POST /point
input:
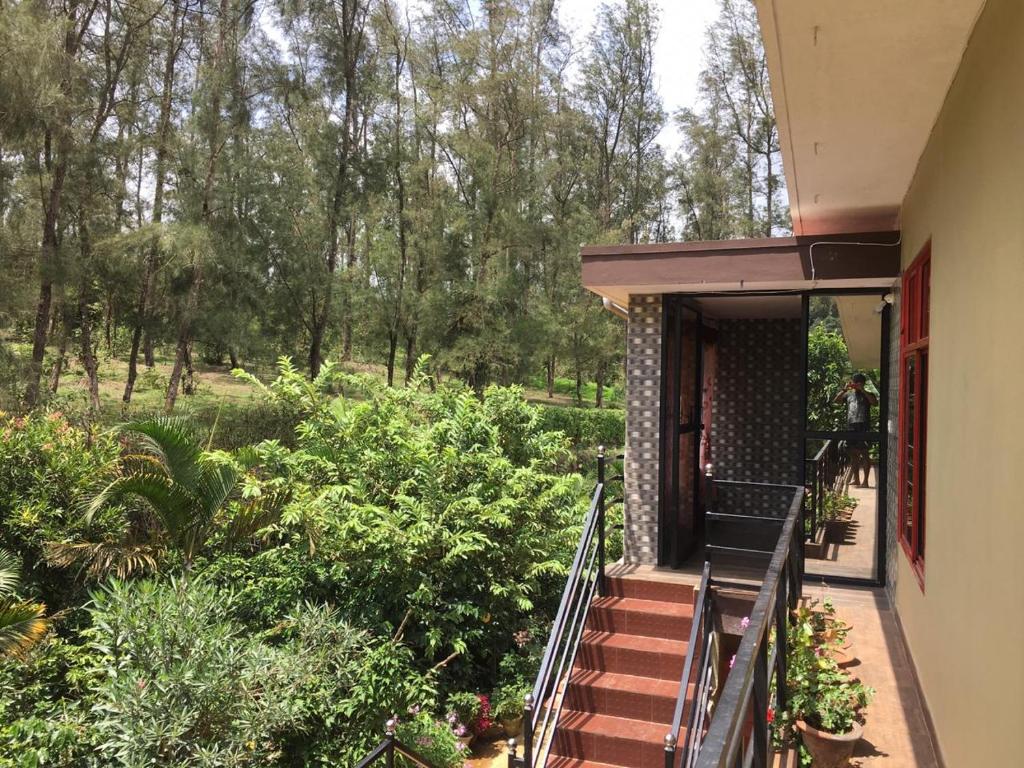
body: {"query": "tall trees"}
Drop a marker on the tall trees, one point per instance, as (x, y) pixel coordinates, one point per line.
(326, 178)
(728, 172)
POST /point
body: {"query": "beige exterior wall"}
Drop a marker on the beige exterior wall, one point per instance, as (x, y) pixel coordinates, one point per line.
(966, 629)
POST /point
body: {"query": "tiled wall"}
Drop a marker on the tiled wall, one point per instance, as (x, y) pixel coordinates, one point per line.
(756, 425)
(643, 414)
(892, 457)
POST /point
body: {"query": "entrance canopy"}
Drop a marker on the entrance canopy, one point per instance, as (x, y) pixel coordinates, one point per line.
(861, 260)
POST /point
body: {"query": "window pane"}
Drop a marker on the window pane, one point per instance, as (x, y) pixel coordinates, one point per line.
(922, 418)
(909, 402)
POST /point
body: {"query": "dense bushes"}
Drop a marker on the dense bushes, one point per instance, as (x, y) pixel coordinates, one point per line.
(587, 428)
(415, 547)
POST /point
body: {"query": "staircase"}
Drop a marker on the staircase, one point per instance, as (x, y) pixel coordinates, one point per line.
(622, 692)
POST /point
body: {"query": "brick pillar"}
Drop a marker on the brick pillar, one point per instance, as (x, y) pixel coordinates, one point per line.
(643, 415)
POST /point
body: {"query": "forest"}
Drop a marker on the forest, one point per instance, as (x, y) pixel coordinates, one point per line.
(300, 393)
(218, 184)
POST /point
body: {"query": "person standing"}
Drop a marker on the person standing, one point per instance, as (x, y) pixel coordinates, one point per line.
(858, 402)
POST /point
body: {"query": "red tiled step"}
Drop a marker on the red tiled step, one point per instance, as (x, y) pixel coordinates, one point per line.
(638, 698)
(613, 740)
(632, 655)
(642, 589)
(650, 618)
(560, 761)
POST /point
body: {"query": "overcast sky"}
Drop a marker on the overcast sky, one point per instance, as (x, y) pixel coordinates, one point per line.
(679, 54)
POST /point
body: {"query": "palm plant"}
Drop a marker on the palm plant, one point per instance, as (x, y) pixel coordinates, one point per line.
(182, 486)
(22, 624)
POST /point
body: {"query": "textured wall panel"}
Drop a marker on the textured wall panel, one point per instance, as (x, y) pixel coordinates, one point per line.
(643, 413)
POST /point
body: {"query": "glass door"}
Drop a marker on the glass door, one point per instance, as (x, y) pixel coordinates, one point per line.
(844, 457)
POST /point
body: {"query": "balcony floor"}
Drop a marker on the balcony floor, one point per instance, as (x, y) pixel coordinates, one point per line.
(896, 732)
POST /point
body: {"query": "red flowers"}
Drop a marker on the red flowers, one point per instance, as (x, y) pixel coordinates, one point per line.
(770, 716)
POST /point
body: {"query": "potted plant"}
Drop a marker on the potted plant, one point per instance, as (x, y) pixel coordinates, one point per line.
(508, 707)
(431, 738)
(825, 703)
(464, 709)
(516, 673)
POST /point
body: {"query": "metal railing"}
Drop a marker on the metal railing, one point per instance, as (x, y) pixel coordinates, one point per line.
(739, 733)
(388, 749)
(543, 706)
(821, 475)
(696, 668)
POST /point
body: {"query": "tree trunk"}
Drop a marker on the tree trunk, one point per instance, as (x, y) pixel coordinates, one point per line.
(410, 356)
(188, 386)
(392, 351)
(599, 395)
(143, 308)
(87, 352)
(550, 369)
(148, 352)
(184, 339)
(62, 348)
(233, 357)
(48, 266)
(579, 386)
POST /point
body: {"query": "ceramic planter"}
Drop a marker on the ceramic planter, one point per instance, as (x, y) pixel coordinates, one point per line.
(829, 750)
(513, 726)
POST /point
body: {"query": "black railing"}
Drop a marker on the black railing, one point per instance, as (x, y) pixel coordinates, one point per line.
(388, 749)
(744, 519)
(697, 671)
(543, 705)
(821, 476)
(739, 733)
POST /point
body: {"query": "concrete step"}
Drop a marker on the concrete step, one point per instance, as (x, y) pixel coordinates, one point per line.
(632, 655)
(649, 618)
(645, 589)
(628, 696)
(612, 740)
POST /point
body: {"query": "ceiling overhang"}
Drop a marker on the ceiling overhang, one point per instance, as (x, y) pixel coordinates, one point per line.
(862, 260)
(857, 87)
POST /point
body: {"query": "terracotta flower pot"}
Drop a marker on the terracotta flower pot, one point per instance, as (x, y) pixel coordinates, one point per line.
(513, 726)
(829, 750)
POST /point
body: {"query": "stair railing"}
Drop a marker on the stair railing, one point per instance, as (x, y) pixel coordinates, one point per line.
(697, 668)
(822, 473)
(390, 747)
(543, 705)
(740, 733)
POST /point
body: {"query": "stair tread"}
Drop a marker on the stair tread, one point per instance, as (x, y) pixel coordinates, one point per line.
(615, 727)
(632, 683)
(635, 642)
(637, 605)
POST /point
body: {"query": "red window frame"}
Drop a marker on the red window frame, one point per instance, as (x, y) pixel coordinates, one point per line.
(913, 409)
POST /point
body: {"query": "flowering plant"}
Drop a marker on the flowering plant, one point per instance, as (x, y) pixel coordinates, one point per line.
(431, 738)
(819, 691)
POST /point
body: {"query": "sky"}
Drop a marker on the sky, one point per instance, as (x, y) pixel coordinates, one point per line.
(678, 56)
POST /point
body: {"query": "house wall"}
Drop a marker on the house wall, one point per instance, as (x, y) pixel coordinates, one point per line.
(965, 627)
(756, 426)
(643, 414)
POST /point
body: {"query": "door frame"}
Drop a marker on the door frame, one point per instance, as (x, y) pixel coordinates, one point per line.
(668, 553)
(672, 551)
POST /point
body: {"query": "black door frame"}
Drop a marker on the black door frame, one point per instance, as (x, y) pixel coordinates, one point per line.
(671, 553)
(668, 549)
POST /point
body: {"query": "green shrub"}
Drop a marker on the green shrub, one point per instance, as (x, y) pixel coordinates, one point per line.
(180, 684)
(48, 469)
(45, 702)
(587, 428)
(430, 738)
(444, 512)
